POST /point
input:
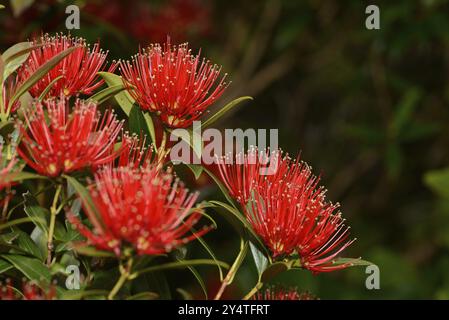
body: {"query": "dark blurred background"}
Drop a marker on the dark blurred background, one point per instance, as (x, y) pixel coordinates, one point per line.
(367, 108)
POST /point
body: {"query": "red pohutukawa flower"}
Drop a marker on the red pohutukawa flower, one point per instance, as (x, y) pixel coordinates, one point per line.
(77, 72)
(283, 294)
(143, 209)
(69, 140)
(30, 291)
(173, 83)
(290, 213)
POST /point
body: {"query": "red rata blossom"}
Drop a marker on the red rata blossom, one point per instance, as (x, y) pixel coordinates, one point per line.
(78, 71)
(173, 83)
(142, 208)
(68, 141)
(289, 211)
(30, 291)
(283, 294)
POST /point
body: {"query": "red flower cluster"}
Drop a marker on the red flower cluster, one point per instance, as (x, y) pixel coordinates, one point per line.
(77, 72)
(68, 141)
(30, 291)
(288, 210)
(173, 83)
(144, 208)
(283, 294)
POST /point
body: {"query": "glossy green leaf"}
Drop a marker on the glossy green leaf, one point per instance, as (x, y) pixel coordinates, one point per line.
(107, 93)
(19, 176)
(137, 122)
(123, 98)
(275, 269)
(39, 215)
(32, 268)
(223, 110)
(48, 88)
(260, 260)
(15, 56)
(92, 252)
(25, 242)
(5, 266)
(354, 262)
(197, 170)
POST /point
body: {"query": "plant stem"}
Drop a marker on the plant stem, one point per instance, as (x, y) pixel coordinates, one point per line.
(124, 276)
(234, 268)
(253, 291)
(51, 229)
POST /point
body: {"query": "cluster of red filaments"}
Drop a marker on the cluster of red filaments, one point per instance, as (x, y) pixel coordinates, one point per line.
(75, 74)
(288, 210)
(68, 140)
(282, 294)
(144, 209)
(172, 82)
(30, 291)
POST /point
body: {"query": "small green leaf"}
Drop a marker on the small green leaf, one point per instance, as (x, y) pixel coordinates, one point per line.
(438, 181)
(36, 212)
(197, 170)
(274, 269)
(32, 268)
(260, 260)
(15, 56)
(107, 93)
(92, 252)
(223, 110)
(4, 266)
(354, 262)
(19, 176)
(137, 122)
(25, 242)
(48, 88)
(123, 98)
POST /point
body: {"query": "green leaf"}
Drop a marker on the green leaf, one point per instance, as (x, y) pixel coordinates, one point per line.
(197, 169)
(19, 176)
(92, 252)
(137, 122)
(25, 242)
(48, 88)
(354, 262)
(107, 93)
(39, 73)
(32, 268)
(84, 194)
(181, 264)
(15, 222)
(37, 213)
(438, 181)
(191, 137)
(238, 262)
(260, 260)
(15, 56)
(150, 126)
(123, 98)
(274, 269)
(223, 110)
(4, 266)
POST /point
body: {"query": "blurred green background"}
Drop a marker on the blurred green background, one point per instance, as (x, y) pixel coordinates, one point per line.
(367, 108)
